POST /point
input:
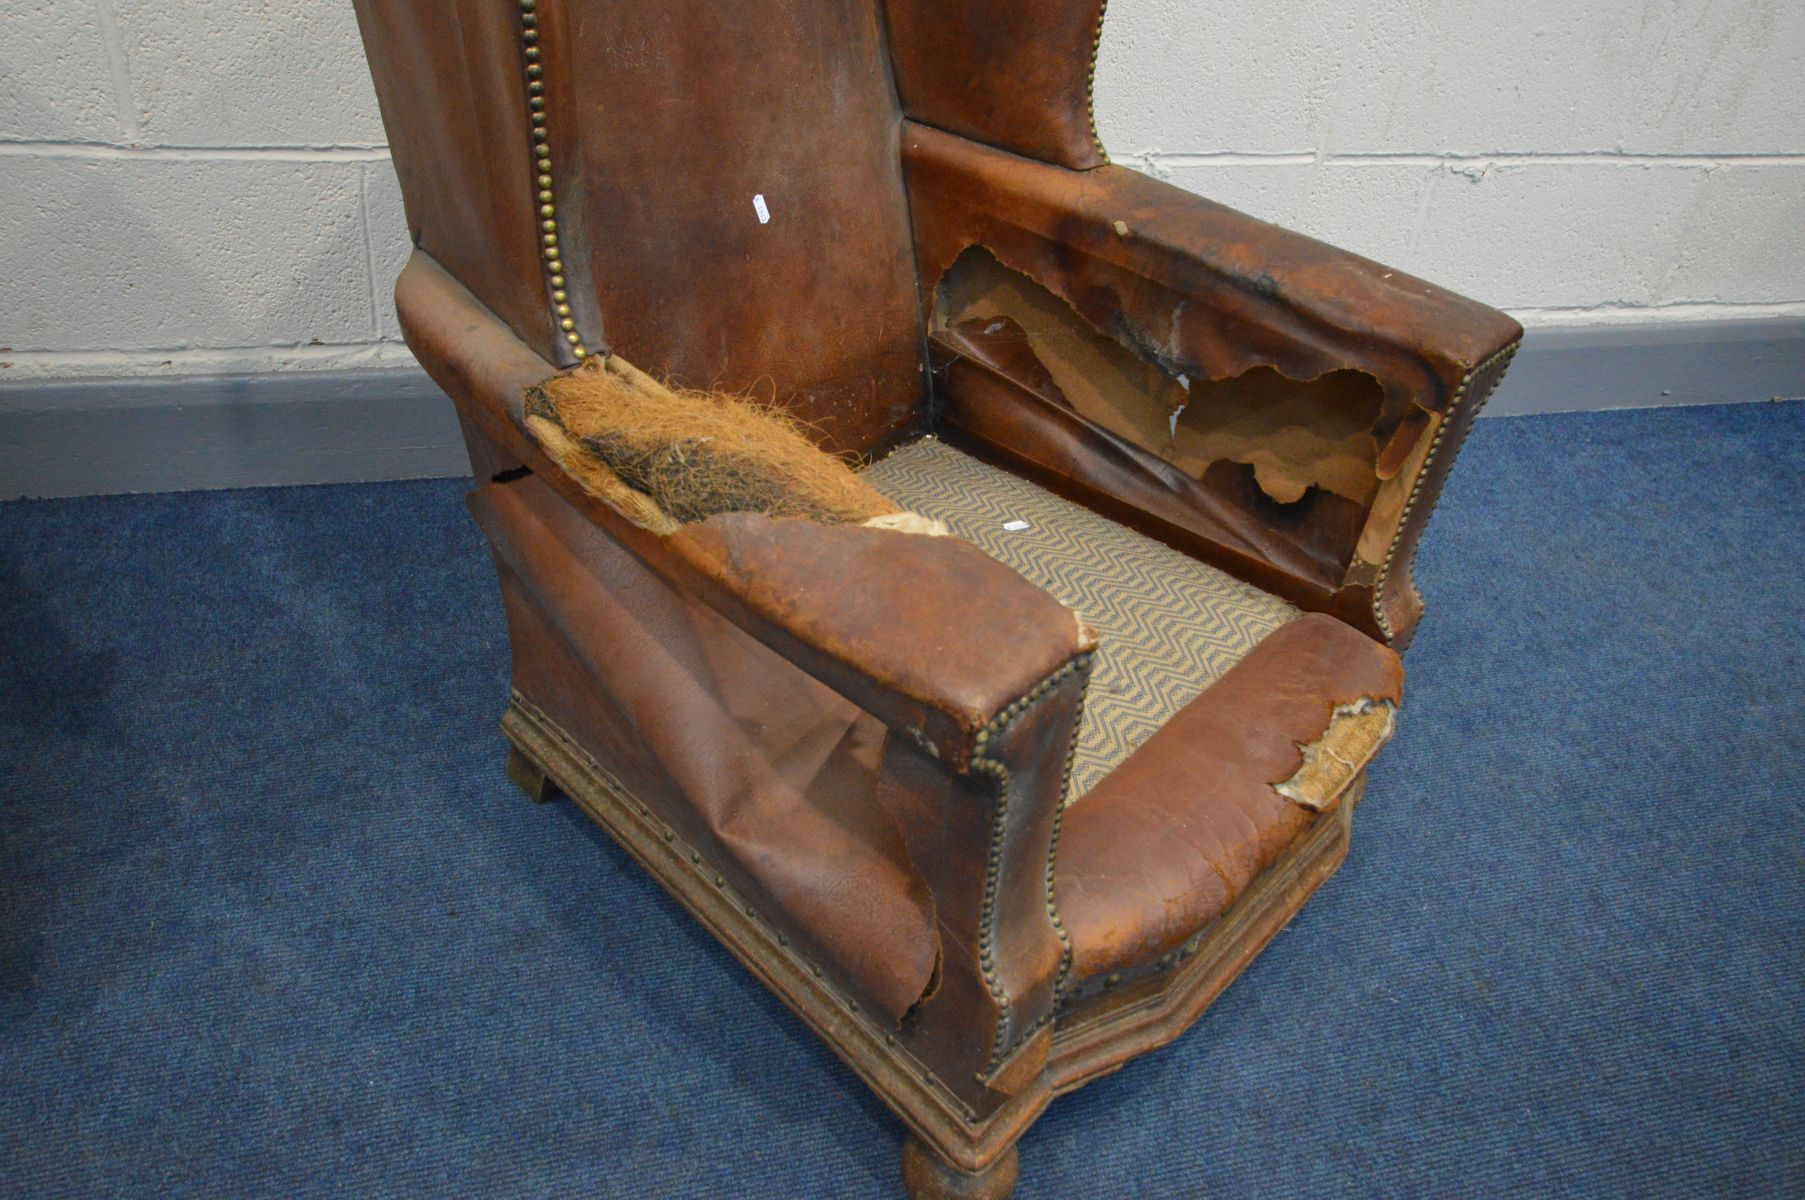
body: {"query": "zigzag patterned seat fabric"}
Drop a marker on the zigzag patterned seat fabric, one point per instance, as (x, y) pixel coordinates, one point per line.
(1170, 625)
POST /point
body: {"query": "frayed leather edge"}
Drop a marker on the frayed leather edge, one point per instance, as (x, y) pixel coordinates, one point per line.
(1355, 734)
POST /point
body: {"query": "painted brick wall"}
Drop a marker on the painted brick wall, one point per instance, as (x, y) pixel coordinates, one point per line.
(192, 186)
(1605, 160)
(196, 186)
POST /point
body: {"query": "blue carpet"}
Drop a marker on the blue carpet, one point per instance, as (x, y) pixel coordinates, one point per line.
(273, 922)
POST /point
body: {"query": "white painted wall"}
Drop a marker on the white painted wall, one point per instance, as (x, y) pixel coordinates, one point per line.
(1572, 161)
(193, 186)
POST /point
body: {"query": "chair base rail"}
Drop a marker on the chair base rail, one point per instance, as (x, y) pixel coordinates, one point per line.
(1098, 1038)
(950, 1153)
(933, 1113)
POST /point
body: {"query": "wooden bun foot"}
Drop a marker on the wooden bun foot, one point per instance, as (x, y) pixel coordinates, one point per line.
(529, 777)
(926, 1177)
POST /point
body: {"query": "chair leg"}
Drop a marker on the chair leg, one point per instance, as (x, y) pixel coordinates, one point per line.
(927, 1177)
(530, 777)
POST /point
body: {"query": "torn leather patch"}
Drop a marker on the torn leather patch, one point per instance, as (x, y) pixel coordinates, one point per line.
(1355, 735)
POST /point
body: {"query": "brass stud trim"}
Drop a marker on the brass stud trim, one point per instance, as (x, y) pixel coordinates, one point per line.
(539, 138)
(1065, 790)
(1002, 1045)
(1090, 82)
(1500, 360)
(999, 773)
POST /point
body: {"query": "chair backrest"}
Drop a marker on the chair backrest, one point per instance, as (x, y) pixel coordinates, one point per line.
(726, 204)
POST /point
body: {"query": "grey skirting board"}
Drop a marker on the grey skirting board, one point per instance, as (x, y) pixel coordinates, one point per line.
(94, 436)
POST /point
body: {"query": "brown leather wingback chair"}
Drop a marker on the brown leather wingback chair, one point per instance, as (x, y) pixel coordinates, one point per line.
(987, 849)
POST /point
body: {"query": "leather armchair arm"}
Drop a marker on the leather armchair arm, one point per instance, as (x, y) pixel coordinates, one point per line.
(930, 635)
(1208, 293)
(980, 670)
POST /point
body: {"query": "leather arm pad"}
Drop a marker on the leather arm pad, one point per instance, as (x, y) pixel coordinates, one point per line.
(929, 634)
(1202, 289)
(1207, 293)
